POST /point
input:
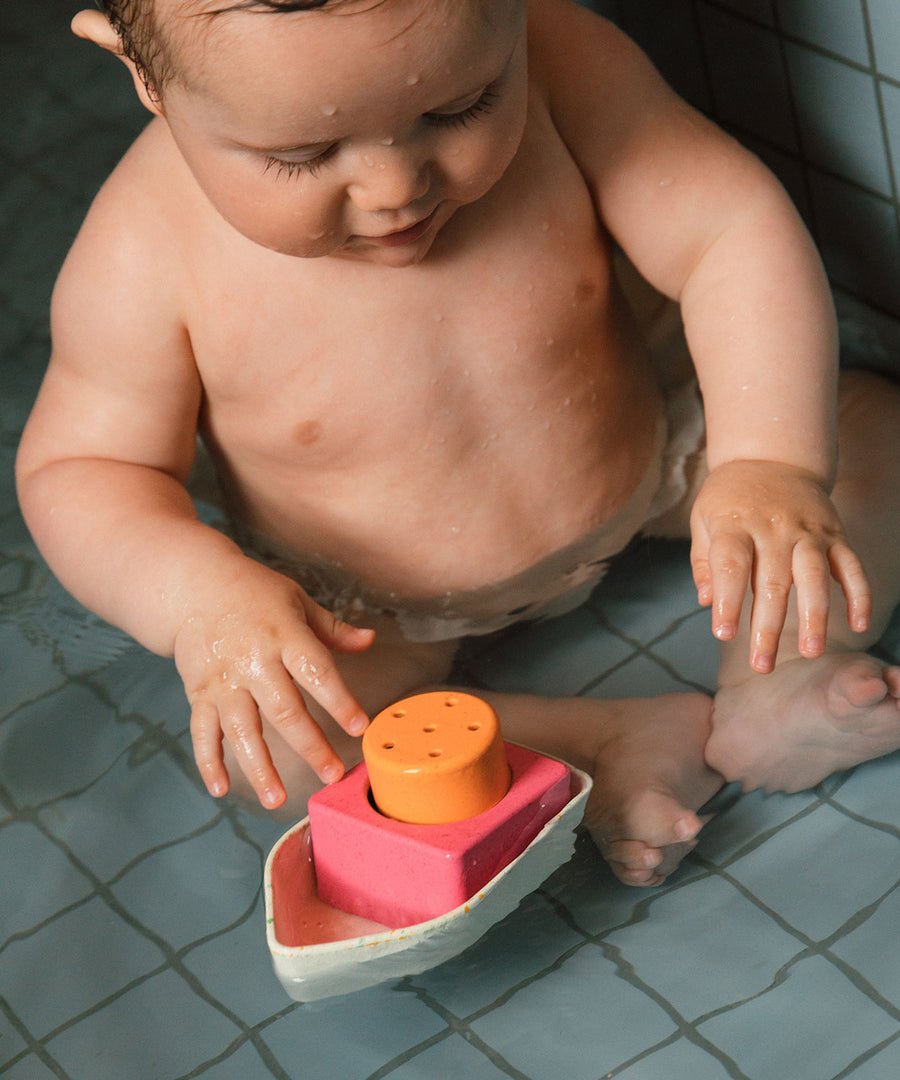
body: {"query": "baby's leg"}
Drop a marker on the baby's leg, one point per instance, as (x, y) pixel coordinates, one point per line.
(788, 730)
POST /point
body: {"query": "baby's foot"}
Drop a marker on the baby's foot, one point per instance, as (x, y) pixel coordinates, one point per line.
(790, 729)
(650, 777)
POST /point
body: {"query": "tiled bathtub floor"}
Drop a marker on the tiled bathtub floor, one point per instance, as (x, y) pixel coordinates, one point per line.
(131, 931)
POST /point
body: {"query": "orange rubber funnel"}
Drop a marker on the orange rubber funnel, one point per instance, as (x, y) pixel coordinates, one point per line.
(436, 758)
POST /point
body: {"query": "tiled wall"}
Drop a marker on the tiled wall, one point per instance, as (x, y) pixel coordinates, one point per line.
(813, 86)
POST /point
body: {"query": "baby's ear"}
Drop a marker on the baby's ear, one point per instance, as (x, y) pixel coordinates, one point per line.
(94, 26)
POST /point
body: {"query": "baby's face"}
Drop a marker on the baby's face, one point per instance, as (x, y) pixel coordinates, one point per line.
(354, 131)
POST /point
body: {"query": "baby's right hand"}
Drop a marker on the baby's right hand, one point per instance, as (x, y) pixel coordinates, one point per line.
(246, 650)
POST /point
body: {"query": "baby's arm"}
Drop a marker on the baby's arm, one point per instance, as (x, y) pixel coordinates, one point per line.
(708, 225)
(101, 472)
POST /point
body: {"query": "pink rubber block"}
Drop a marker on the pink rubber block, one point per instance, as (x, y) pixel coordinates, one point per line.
(399, 874)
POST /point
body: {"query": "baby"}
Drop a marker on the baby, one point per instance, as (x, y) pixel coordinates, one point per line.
(365, 248)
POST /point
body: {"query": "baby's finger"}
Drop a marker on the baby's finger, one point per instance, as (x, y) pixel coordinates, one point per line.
(206, 737)
(849, 573)
(336, 634)
(772, 580)
(242, 727)
(283, 706)
(312, 667)
(812, 580)
(731, 562)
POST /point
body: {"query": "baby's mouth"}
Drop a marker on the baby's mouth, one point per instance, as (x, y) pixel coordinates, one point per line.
(405, 236)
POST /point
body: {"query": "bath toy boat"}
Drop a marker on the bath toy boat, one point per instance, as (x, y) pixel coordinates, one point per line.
(319, 951)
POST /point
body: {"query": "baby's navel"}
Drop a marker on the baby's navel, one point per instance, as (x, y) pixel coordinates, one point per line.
(308, 432)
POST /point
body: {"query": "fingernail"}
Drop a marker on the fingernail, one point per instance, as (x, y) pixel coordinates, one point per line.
(358, 725)
(331, 773)
(218, 789)
(814, 645)
(724, 632)
(272, 798)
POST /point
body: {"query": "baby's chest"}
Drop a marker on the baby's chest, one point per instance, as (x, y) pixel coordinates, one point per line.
(368, 362)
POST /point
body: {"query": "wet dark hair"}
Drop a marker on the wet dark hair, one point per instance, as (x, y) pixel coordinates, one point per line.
(146, 45)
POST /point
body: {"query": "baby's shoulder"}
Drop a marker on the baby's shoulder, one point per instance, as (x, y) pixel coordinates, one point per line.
(130, 234)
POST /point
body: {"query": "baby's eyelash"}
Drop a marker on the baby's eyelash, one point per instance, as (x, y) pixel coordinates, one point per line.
(280, 166)
(460, 119)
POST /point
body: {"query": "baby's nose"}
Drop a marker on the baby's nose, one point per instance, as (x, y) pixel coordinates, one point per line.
(388, 179)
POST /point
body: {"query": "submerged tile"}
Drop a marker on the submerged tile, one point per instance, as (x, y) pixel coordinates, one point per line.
(494, 965)
(589, 1020)
(706, 926)
(790, 1030)
(193, 888)
(351, 1036)
(160, 1029)
(452, 1057)
(37, 880)
(818, 872)
(106, 952)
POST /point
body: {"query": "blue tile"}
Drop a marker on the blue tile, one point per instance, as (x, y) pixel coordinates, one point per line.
(706, 926)
(132, 808)
(149, 687)
(641, 677)
(790, 1031)
(236, 969)
(350, 1037)
(750, 87)
(749, 821)
(30, 1068)
(839, 119)
(590, 894)
(761, 10)
(882, 1066)
(865, 948)
(886, 36)
(817, 873)
(59, 743)
(554, 657)
(244, 1063)
(667, 31)
(160, 1029)
(106, 952)
(681, 1060)
(691, 651)
(11, 1042)
(857, 234)
(452, 1057)
(871, 791)
(37, 880)
(579, 1022)
(836, 25)
(193, 888)
(494, 965)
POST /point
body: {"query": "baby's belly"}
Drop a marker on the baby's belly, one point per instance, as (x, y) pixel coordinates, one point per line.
(457, 510)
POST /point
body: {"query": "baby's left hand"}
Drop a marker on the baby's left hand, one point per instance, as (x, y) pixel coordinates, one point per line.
(771, 526)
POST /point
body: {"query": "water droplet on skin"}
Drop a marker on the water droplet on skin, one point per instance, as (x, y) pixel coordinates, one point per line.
(567, 401)
(389, 141)
(454, 529)
(437, 316)
(329, 110)
(550, 341)
(412, 80)
(367, 158)
(545, 226)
